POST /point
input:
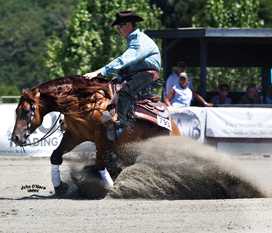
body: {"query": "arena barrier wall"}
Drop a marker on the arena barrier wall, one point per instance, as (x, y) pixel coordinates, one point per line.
(190, 121)
(43, 148)
(232, 130)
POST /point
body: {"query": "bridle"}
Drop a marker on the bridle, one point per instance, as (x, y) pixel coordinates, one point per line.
(53, 128)
(29, 123)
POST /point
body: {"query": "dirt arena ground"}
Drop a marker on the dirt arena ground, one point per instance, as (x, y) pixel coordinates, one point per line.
(21, 211)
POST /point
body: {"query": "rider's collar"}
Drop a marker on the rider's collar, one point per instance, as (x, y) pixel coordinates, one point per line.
(134, 33)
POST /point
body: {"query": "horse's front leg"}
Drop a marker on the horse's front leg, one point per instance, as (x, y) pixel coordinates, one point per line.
(67, 143)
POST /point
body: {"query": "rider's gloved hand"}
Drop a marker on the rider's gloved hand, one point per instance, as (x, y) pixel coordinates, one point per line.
(94, 74)
(90, 75)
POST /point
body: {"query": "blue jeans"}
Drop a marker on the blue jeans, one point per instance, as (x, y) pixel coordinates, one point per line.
(129, 91)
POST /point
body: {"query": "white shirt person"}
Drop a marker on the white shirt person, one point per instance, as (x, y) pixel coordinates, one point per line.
(180, 95)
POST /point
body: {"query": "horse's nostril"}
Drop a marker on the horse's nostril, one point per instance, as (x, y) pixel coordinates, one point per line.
(15, 138)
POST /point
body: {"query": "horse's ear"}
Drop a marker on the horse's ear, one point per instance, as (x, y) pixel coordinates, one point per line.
(36, 93)
(25, 91)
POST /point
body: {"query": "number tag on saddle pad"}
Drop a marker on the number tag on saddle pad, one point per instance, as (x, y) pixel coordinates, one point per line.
(163, 122)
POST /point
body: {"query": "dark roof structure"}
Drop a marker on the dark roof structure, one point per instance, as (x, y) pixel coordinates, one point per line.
(215, 47)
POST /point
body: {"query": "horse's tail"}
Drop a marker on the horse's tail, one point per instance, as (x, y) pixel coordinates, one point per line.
(175, 130)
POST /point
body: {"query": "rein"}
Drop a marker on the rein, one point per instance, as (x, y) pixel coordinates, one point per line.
(48, 134)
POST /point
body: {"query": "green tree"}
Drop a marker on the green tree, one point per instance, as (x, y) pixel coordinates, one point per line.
(24, 28)
(179, 13)
(265, 12)
(231, 13)
(186, 13)
(90, 41)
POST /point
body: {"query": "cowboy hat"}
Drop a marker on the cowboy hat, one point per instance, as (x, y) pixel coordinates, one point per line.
(126, 16)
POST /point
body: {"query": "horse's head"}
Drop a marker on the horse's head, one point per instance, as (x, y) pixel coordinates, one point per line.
(28, 116)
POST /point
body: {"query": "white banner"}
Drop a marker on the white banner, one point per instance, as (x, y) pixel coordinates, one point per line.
(190, 121)
(43, 148)
(239, 123)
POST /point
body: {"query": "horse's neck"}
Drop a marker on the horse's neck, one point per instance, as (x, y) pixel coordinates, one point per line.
(65, 103)
(52, 102)
(49, 106)
(67, 97)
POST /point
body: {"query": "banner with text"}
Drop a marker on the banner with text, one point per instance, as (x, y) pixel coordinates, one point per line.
(43, 148)
(239, 123)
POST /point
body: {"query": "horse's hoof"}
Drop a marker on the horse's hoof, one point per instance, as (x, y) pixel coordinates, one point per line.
(61, 189)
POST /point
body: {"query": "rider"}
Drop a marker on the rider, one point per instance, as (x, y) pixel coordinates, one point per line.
(139, 65)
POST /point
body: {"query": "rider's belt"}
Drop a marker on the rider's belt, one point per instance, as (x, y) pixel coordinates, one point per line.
(155, 74)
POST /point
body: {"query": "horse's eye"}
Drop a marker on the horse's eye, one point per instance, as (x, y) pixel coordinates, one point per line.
(23, 114)
(25, 111)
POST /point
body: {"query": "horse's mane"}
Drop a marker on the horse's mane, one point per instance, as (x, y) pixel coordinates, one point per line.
(72, 91)
(74, 85)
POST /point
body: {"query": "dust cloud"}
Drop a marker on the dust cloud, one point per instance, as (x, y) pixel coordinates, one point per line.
(170, 168)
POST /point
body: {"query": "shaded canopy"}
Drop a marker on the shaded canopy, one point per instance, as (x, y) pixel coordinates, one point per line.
(216, 47)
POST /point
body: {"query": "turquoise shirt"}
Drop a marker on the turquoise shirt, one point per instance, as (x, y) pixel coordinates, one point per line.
(142, 54)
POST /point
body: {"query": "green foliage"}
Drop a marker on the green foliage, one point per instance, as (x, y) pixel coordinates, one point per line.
(9, 90)
(90, 41)
(265, 13)
(24, 27)
(237, 78)
(188, 13)
(231, 13)
(19, 38)
(179, 13)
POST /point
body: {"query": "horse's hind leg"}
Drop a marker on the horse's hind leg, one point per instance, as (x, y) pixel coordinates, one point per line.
(102, 149)
(67, 144)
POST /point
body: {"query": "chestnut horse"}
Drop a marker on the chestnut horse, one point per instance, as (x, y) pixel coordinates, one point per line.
(82, 102)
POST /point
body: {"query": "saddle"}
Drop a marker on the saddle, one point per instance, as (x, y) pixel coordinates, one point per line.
(153, 110)
(150, 109)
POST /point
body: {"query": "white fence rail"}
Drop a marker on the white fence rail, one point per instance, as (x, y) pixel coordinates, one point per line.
(9, 99)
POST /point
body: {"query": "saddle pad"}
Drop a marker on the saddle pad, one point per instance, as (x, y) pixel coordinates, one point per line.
(159, 117)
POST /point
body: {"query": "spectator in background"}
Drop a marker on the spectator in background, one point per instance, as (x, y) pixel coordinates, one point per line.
(180, 95)
(251, 96)
(173, 78)
(222, 95)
